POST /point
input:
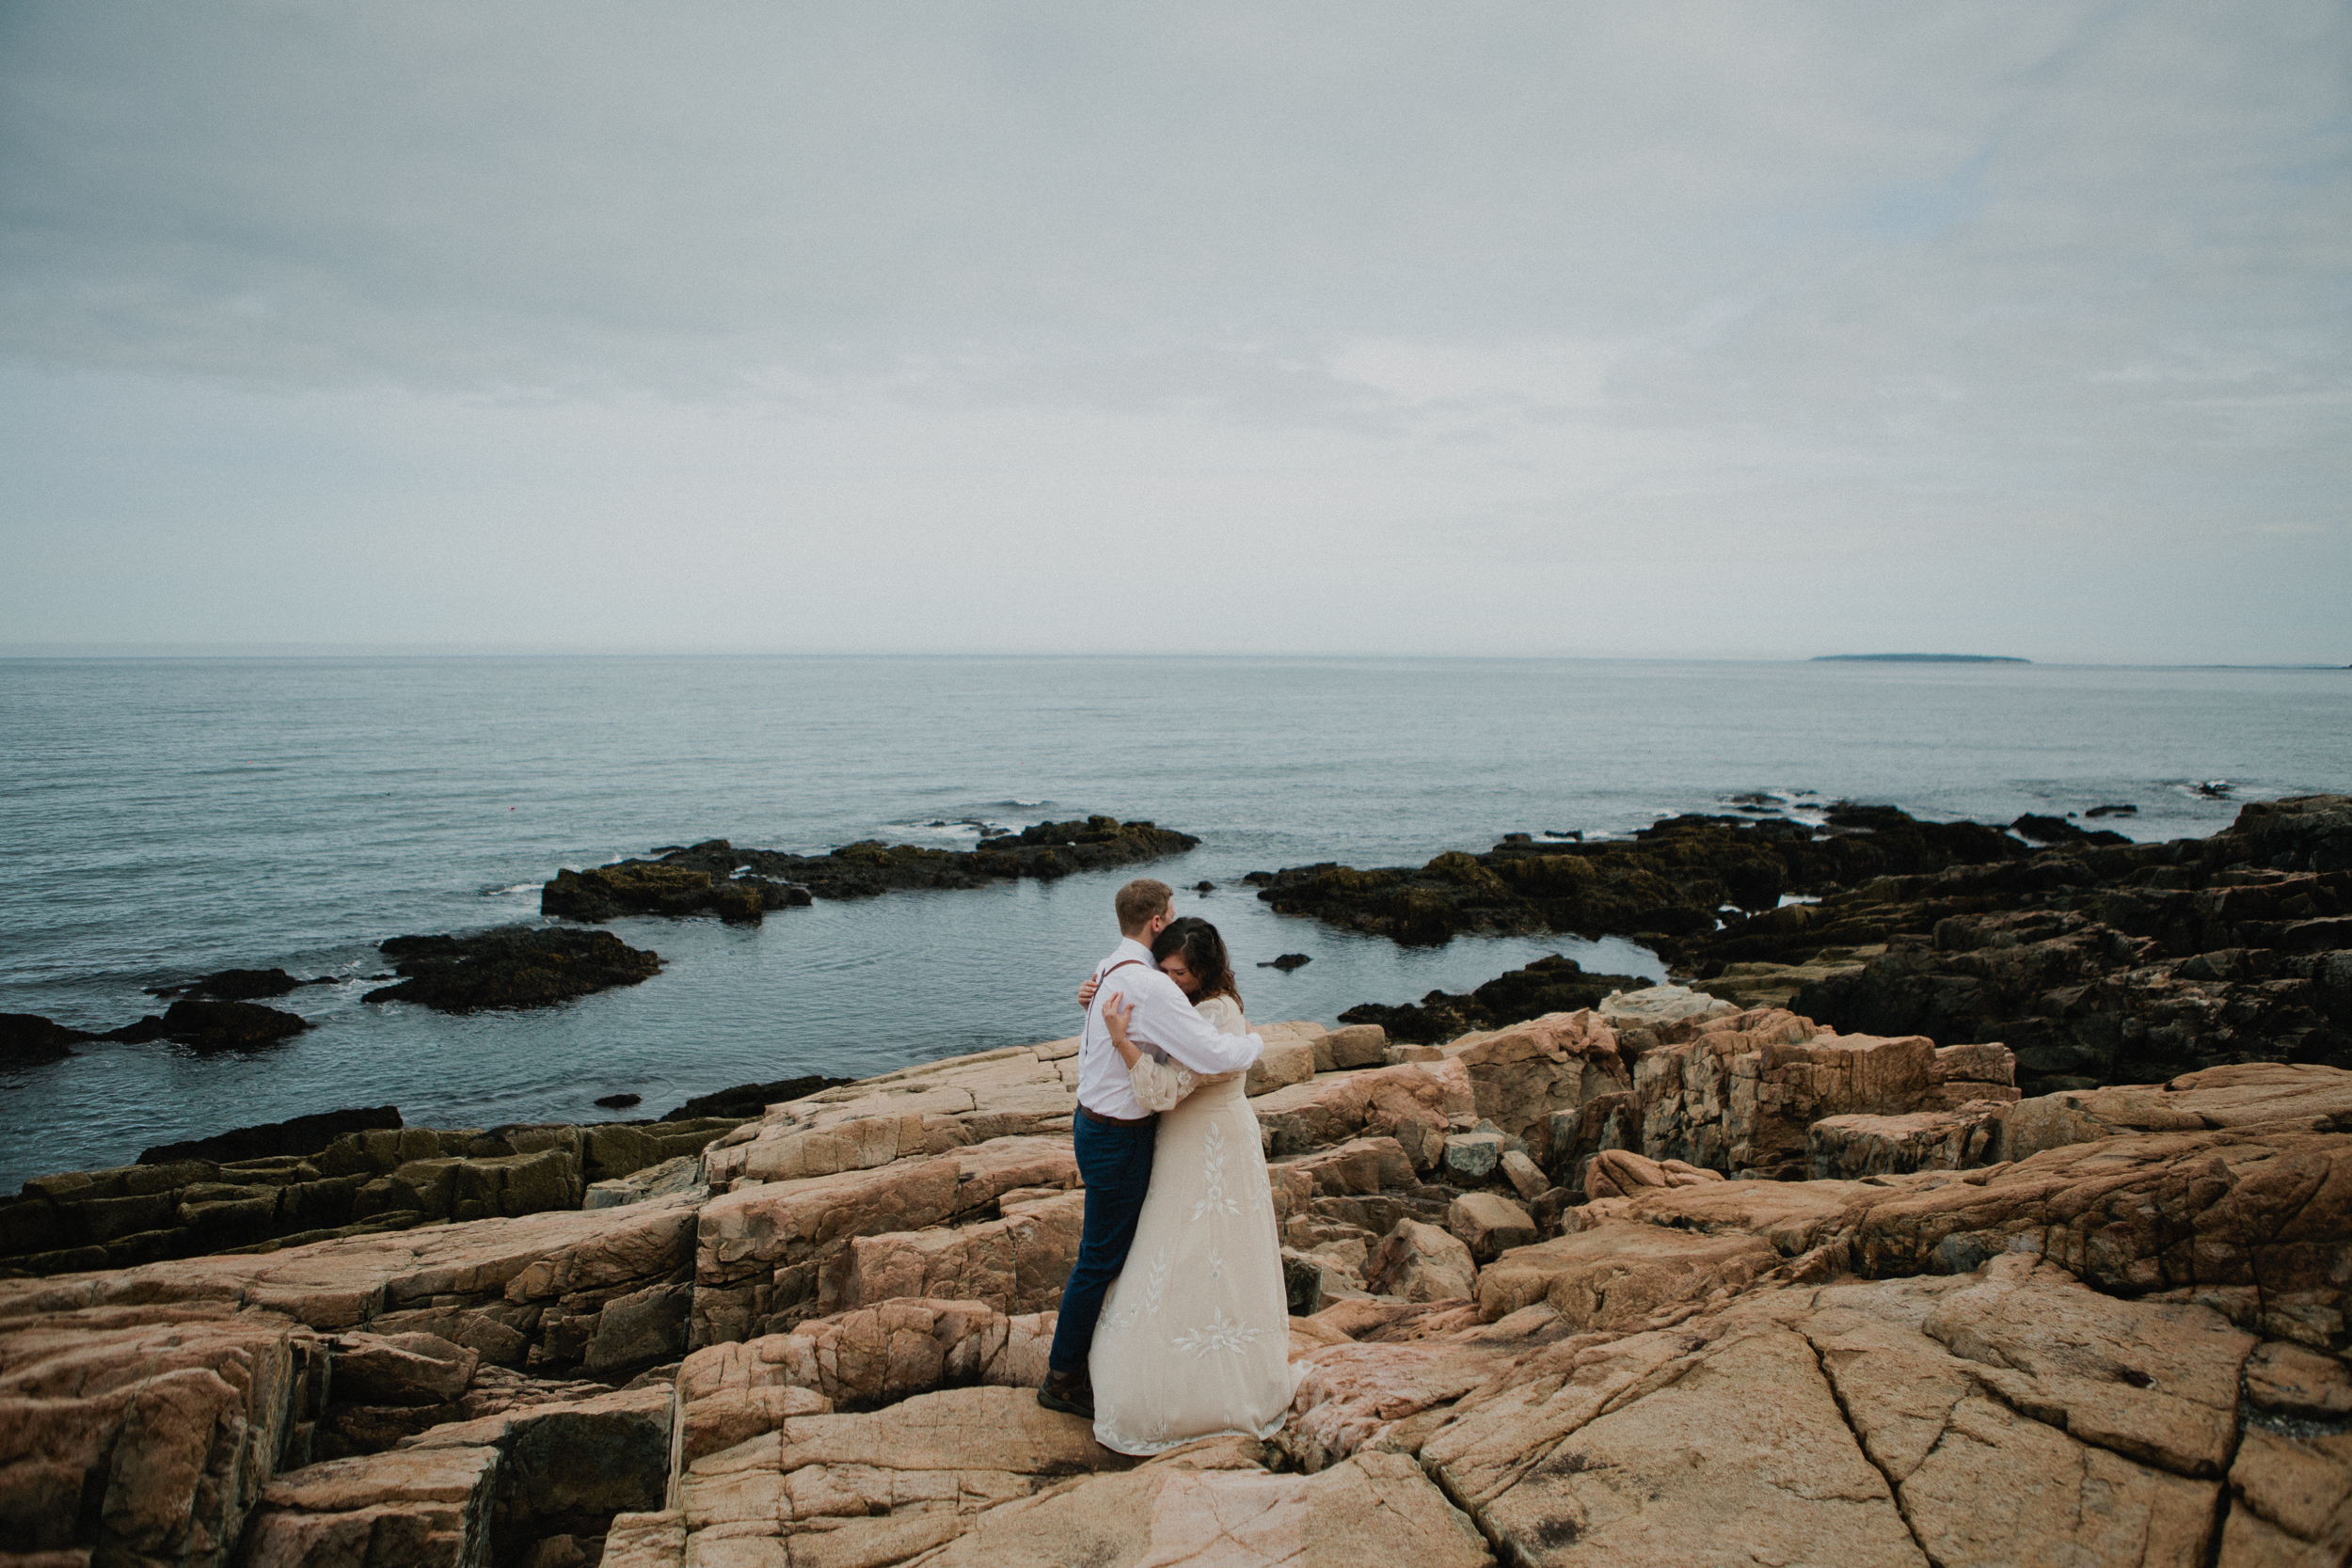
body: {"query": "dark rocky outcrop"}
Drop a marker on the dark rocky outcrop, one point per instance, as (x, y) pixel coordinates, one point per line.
(241, 985)
(223, 1025)
(2095, 963)
(717, 878)
(747, 1101)
(651, 887)
(1287, 962)
(294, 1136)
(27, 1040)
(1550, 985)
(514, 966)
(1667, 883)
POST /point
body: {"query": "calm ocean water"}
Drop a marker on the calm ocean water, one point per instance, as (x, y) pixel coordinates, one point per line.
(163, 818)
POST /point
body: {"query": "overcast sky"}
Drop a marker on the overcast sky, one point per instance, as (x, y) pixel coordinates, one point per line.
(1742, 329)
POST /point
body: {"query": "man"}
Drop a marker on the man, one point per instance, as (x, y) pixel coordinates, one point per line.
(1114, 1134)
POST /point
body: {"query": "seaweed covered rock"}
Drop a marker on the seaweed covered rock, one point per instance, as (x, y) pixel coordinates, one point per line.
(1667, 882)
(642, 887)
(514, 966)
(715, 877)
(1550, 985)
(297, 1135)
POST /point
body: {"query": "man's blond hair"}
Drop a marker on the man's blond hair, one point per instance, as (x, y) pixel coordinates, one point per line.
(1138, 901)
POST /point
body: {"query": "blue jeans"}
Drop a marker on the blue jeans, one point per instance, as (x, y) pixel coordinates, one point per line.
(1115, 1163)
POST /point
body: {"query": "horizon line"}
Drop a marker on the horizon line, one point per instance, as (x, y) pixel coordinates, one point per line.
(60, 651)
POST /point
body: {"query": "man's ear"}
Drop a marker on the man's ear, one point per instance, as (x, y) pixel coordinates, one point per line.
(1159, 921)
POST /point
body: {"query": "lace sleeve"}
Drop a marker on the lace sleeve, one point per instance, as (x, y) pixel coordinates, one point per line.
(1160, 1085)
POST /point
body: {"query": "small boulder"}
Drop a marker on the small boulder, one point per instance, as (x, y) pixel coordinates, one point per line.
(401, 1369)
(1288, 961)
(1285, 1061)
(1472, 1156)
(1622, 1173)
(1525, 1177)
(1489, 1223)
(1422, 1262)
(1358, 1045)
(2287, 1380)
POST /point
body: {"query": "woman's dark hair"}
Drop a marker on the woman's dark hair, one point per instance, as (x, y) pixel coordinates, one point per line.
(1204, 954)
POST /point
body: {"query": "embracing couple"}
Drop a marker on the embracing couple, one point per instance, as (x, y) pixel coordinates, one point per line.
(1175, 1323)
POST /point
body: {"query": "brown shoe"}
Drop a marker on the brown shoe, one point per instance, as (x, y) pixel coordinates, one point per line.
(1072, 1393)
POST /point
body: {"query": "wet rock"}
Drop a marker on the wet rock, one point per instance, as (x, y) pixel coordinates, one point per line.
(241, 985)
(227, 1025)
(1550, 985)
(1288, 961)
(747, 1101)
(619, 1101)
(27, 1040)
(2113, 811)
(515, 966)
(641, 887)
(2056, 830)
(297, 1135)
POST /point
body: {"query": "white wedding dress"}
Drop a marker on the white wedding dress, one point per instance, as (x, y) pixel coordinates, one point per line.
(1194, 1339)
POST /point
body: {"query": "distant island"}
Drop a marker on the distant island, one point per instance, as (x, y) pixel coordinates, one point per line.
(1917, 658)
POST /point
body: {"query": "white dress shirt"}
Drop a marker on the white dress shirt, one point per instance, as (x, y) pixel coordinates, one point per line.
(1163, 1018)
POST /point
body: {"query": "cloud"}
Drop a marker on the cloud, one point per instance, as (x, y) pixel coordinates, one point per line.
(1855, 290)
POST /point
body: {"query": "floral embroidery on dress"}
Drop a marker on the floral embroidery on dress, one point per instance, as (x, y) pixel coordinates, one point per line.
(1213, 1200)
(1155, 1283)
(1224, 1334)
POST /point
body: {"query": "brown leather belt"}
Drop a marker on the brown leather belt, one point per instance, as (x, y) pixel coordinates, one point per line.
(1117, 1121)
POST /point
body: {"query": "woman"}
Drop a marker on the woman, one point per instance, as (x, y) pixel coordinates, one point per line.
(1195, 1335)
